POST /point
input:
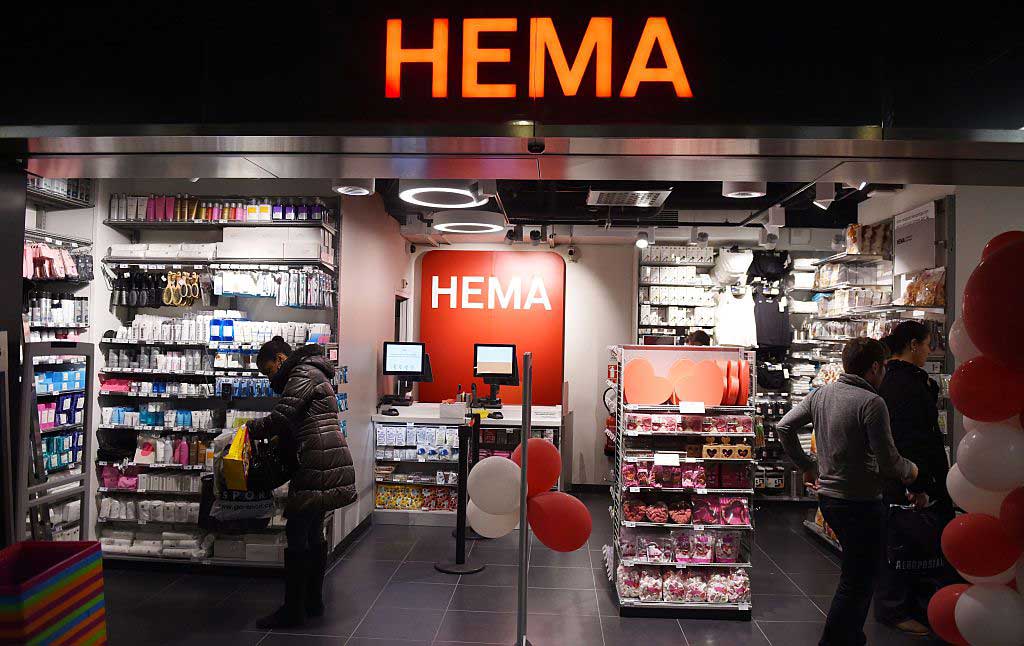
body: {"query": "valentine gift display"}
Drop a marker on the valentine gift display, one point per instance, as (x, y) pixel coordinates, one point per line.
(985, 544)
(681, 514)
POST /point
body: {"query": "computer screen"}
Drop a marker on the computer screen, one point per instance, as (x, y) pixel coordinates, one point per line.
(493, 359)
(403, 358)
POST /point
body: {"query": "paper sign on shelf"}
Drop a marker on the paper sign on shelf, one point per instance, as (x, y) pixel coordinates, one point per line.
(666, 459)
(691, 408)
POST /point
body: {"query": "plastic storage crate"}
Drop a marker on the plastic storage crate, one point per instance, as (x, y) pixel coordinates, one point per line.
(52, 593)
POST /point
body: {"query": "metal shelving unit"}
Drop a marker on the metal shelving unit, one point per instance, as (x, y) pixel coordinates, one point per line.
(624, 454)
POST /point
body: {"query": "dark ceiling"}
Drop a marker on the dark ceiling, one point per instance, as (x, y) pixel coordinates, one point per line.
(565, 202)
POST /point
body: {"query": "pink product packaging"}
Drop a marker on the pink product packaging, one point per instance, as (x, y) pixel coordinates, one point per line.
(739, 586)
(735, 476)
(664, 423)
(727, 547)
(627, 579)
(643, 423)
(706, 510)
(669, 477)
(694, 476)
(627, 545)
(690, 424)
(632, 422)
(643, 475)
(702, 547)
(713, 473)
(109, 476)
(657, 548)
(650, 584)
(734, 511)
(673, 585)
(718, 588)
(657, 512)
(695, 589)
(629, 475)
(679, 512)
(681, 545)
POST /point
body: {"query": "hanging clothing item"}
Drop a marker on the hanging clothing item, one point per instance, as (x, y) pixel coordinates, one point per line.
(736, 324)
(769, 265)
(731, 266)
(772, 318)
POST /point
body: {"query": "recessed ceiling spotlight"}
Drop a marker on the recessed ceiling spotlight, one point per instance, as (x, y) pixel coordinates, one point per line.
(744, 190)
(441, 194)
(355, 187)
(462, 221)
(193, 179)
(824, 194)
(643, 239)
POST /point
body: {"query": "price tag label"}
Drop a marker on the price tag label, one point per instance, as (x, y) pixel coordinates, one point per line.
(142, 522)
(141, 490)
(629, 523)
(699, 528)
(744, 606)
(666, 459)
(691, 408)
(700, 491)
(632, 433)
(175, 266)
(634, 489)
(680, 566)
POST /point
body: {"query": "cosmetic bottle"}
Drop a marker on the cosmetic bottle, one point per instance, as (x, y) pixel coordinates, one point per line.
(252, 211)
(289, 211)
(265, 210)
(277, 214)
(193, 208)
(302, 210)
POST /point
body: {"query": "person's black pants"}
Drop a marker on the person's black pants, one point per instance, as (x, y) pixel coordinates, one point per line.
(858, 525)
(304, 531)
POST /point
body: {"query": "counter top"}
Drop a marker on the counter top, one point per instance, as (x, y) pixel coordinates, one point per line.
(429, 413)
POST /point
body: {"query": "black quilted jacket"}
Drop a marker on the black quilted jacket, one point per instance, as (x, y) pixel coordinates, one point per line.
(306, 418)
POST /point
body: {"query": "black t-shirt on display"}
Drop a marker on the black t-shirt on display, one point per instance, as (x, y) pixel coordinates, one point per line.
(773, 328)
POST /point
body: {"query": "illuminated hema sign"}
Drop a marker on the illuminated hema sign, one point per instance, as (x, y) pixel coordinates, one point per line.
(595, 46)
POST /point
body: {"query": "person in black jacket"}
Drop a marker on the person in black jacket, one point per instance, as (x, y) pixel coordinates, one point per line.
(305, 420)
(912, 399)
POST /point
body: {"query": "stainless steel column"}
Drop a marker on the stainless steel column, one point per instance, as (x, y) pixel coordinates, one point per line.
(524, 527)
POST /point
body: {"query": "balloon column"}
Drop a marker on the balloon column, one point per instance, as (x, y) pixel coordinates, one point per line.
(986, 544)
(559, 520)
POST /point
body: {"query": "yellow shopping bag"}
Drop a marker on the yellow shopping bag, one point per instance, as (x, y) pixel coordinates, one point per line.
(236, 462)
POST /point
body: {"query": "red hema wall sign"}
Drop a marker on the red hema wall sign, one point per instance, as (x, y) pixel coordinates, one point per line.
(469, 297)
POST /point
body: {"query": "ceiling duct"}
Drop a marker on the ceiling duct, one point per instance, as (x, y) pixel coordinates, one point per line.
(641, 199)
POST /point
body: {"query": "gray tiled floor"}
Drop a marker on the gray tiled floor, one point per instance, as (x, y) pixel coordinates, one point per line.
(386, 592)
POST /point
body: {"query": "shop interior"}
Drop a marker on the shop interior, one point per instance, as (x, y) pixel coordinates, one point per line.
(146, 300)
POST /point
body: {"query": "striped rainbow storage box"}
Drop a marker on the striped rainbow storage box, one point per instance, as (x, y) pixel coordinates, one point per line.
(51, 593)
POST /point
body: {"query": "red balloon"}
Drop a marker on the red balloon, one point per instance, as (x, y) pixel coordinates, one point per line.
(1011, 514)
(545, 465)
(941, 616)
(994, 305)
(560, 521)
(987, 391)
(979, 545)
(1002, 240)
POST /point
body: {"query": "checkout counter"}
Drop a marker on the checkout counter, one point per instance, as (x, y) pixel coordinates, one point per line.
(415, 467)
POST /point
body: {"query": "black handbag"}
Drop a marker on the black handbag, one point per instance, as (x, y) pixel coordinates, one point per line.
(273, 463)
(913, 538)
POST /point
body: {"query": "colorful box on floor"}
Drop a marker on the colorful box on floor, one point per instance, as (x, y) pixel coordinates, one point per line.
(52, 593)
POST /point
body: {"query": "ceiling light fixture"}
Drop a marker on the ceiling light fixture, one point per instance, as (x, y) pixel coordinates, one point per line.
(193, 179)
(643, 240)
(472, 222)
(355, 187)
(824, 194)
(442, 194)
(744, 190)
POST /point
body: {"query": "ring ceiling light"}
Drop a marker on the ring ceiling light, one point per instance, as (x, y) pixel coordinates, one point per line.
(355, 187)
(442, 194)
(461, 221)
(744, 190)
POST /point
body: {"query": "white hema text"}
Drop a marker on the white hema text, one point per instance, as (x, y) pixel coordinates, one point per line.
(471, 295)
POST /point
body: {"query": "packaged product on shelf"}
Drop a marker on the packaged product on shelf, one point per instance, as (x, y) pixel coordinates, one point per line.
(655, 547)
(718, 588)
(681, 548)
(627, 580)
(668, 477)
(657, 512)
(627, 544)
(673, 585)
(694, 476)
(734, 511)
(706, 510)
(713, 472)
(650, 584)
(734, 476)
(634, 510)
(739, 586)
(702, 546)
(679, 512)
(727, 547)
(690, 424)
(696, 587)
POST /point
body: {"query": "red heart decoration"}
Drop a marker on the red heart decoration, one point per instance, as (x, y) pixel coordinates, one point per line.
(680, 370)
(732, 395)
(727, 452)
(743, 452)
(744, 383)
(704, 384)
(641, 386)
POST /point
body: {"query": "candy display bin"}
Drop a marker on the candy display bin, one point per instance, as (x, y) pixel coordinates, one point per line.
(52, 593)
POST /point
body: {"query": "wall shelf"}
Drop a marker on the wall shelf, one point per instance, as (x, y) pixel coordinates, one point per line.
(54, 201)
(207, 225)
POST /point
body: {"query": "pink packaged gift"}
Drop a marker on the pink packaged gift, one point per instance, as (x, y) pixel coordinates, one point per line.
(690, 424)
(696, 588)
(727, 547)
(656, 548)
(627, 545)
(739, 586)
(735, 511)
(680, 545)
(658, 423)
(673, 585)
(109, 476)
(668, 477)
(694, 476)
(644, 423)
(718, 588)
(735, 476)
(650, 584)
(702, 547)
(632, 422)
(705, 510)
(643, 474)
(627, 579)
(629, 478)
(669, 423)
(679, 512)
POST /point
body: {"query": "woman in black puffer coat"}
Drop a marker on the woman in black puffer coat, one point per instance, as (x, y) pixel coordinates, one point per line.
(305, 421)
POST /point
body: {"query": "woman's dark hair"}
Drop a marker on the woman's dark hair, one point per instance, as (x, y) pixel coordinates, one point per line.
(905, 333)
(862, 353)
(698, 337)
(270, 350)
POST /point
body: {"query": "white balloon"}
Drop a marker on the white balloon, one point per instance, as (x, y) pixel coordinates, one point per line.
(992, 457)
(960, 342)
(494, 485)
(490, 525)
(990, 615)
(972, 498)
(975, 425)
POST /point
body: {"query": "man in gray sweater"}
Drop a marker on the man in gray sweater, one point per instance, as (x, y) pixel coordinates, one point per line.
(855, 455)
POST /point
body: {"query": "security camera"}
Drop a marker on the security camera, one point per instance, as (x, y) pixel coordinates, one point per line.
(574, 253)
(535, 236)
(535, 146)
(412, 248)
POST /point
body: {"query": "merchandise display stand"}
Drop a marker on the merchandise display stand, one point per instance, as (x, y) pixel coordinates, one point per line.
(715, 518)
(187, 372)
(674, 298)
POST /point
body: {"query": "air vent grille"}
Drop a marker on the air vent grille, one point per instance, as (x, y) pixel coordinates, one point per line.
(642, 199)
